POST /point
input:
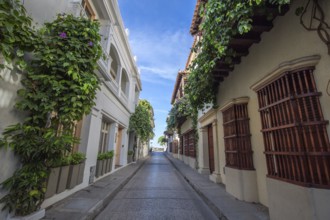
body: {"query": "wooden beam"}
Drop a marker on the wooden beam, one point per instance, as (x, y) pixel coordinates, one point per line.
(241, 41)
(220, 73)
(234, 60)
(223, 68)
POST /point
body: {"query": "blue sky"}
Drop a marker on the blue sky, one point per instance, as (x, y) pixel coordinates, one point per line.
(159, 37)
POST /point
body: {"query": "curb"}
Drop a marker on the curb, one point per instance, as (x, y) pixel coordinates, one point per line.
(94, 211)
(208, 202)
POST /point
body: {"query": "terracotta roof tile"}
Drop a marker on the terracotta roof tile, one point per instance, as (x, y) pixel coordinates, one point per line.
(196, 18)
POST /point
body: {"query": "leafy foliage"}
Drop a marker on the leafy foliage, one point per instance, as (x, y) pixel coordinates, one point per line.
(179, 111)
(105, 155)
(27, 189)
(59, 88)
(162, 140)
(16, 33)
(77, 158)
(141, 121)
(221, 20)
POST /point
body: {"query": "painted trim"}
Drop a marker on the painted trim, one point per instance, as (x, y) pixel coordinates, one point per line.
(286, 66)
(208, 115)
(228, 104)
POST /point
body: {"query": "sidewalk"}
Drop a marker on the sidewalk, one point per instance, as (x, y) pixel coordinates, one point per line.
(223, 204)
(88, 202)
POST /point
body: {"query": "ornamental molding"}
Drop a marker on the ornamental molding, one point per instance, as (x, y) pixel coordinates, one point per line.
(235, 101)
(209, 117)
(299, 63)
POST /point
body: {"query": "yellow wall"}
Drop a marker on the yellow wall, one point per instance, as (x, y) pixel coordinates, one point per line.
(288, 40)
(186, 126)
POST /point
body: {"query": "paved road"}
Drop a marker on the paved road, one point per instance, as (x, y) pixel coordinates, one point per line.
(157, 191)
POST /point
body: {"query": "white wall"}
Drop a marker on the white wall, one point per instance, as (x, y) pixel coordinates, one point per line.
(109, 103)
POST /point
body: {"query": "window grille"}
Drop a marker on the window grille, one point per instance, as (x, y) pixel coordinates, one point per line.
(294, 130)
(88, 9)
(76, 133)
(181, 145)
(192, 149)
(237, 137)
(104, 137)
(188, 143)
(175, 146)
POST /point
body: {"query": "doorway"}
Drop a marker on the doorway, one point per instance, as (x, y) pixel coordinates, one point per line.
(118, 147)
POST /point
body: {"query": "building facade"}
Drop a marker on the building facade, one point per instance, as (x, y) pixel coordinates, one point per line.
(267, 139)
(106, 127)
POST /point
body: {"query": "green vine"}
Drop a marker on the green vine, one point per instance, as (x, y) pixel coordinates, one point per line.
(59, 87)
(141, 121)
(16, 33)
(221, 20)
(179, 111)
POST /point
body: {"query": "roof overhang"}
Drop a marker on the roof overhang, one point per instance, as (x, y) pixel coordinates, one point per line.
(177, 84)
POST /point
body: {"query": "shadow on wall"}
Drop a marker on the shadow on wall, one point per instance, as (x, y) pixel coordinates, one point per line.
(8, 164)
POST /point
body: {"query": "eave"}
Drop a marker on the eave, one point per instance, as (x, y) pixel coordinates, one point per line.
(241, 44)
(196, 18)
(177, 84)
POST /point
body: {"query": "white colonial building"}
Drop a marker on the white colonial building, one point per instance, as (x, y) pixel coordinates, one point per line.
(106, 128)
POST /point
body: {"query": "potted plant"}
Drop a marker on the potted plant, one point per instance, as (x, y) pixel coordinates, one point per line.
(75, 160)
(99, 164)
(109, 160)
(53, 176)
(64, 174)
(130, 156)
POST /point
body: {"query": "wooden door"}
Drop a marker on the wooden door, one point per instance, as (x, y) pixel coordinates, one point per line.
(211, 148)
(118, 146)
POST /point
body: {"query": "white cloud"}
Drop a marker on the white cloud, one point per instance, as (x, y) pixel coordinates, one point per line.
(161, 54)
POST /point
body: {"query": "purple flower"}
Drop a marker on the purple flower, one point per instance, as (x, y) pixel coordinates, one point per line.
(90, 43)
(63, 35)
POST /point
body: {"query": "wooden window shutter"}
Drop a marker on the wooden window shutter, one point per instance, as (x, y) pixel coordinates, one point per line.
(237, 137)
(294, 130)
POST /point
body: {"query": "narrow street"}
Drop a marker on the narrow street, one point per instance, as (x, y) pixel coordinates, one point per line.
(157, 191)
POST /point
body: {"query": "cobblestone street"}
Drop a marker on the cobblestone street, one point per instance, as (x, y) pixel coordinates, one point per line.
(157, 191)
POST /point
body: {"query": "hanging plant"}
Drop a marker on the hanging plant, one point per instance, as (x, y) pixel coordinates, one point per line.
(16, 33)
(59, 87)
(221, 20)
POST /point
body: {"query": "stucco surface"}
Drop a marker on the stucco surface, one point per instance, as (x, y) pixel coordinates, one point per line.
(288, 40)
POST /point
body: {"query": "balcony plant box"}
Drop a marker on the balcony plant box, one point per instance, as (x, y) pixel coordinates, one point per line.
(76, 159)
(52, 181)
(104, 167)
(129, 156)
(99, 164)
(64, 174)
(109, 161)
(81, 173)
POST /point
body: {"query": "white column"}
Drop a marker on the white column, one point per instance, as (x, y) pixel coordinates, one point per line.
(124, 147)
(203, 154)
(215, 177)
(119, 72)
